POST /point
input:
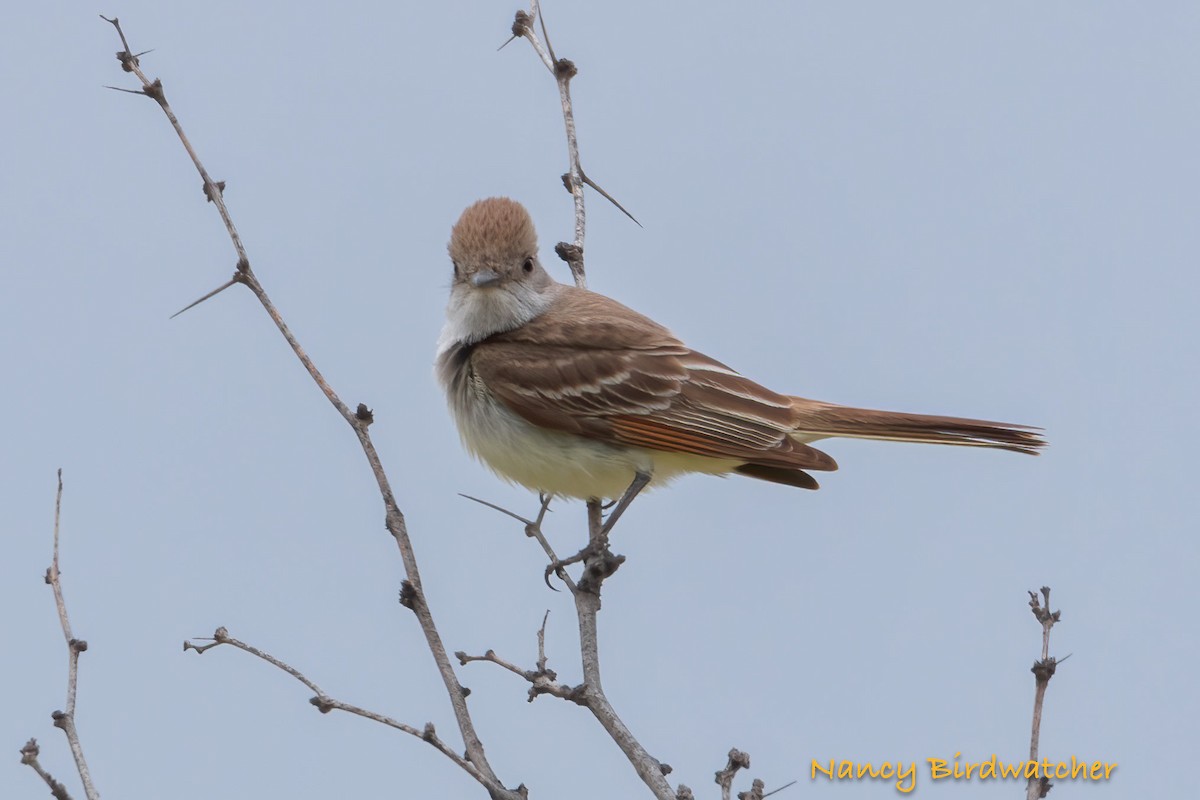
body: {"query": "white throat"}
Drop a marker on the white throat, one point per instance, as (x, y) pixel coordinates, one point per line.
(474, 314)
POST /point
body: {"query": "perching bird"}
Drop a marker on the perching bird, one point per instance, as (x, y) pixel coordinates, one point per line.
(570, 393)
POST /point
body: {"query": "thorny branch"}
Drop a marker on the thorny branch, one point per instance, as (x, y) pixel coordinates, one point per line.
(63, 719)
(1043, 670)
(598, 566)
(359, 420)
(575, 178)
(599, 562)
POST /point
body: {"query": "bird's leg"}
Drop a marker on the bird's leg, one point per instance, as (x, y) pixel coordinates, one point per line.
(534, 527)
(598, 533)
(640, 479)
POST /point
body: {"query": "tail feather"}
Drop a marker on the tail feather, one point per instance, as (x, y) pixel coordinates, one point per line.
(816, 420)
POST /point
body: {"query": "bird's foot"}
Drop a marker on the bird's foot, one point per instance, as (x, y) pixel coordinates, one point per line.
(559, 565)
(598, 563)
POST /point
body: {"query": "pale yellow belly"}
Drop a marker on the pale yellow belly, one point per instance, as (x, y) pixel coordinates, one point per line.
(565, 464)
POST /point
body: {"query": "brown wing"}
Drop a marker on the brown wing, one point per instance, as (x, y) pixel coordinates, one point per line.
(593, 367)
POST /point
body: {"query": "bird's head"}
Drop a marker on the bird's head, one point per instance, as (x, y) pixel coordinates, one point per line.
(498, 283)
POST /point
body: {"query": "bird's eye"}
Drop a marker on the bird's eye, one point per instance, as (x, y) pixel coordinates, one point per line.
(528, 265)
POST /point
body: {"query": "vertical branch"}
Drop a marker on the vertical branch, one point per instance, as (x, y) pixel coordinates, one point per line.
(724, 778)
(586, 594)
(66, 719)
(575, 178)
(1043, 671)
(563, 71)
(599, 562)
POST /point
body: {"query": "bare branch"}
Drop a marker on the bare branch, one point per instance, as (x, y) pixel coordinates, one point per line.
(154, 90)
(29, 756)
(541, 637)
(65, 720)
(324, 703)
(757, 791)
(724, 778)
(574, 180)
(359, 420)
(490, 656)
(1043, 671)
(541, 681)
(587, 606)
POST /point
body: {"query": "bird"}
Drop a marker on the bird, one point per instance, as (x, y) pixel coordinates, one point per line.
(571, 394)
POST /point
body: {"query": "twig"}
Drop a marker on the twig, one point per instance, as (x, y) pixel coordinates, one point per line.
(575, 179)
(65, 719)
(491, 657)
(359, 420)
(1043, 671)
(724, 778)
(29, 757)
(541, 680)
(541, 637)
(757, 791)
(324, 703)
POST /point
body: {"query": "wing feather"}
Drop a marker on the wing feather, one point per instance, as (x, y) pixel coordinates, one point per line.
(593, 367)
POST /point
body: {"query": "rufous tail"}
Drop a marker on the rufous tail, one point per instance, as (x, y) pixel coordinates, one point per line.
(817, 420)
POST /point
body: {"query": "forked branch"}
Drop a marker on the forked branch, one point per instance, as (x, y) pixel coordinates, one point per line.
(598, 564)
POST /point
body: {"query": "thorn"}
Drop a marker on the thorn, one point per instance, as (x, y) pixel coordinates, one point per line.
(608, 197)
(216, 291)
(506, 43)
(495, 507)
(780, 789)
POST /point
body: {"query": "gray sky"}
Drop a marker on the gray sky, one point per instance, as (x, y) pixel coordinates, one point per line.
(977, 209)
